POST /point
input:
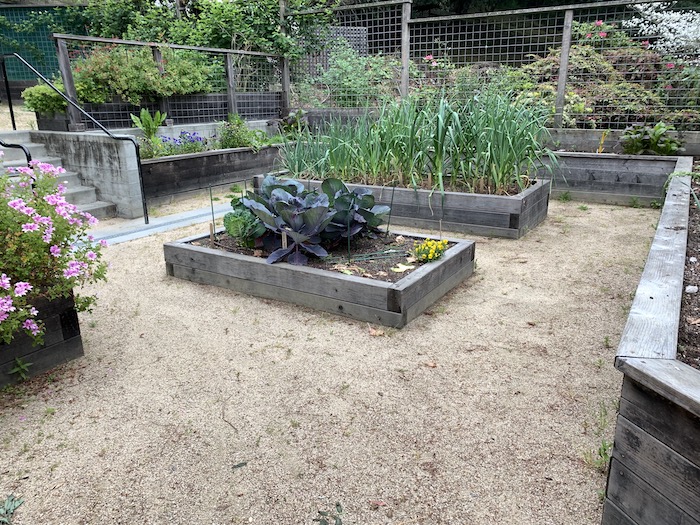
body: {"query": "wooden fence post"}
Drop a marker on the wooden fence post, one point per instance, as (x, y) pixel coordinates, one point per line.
(563, 69)
(405, 47)
(75, 120)
(286, 80)
(163, 102)
(231, 85)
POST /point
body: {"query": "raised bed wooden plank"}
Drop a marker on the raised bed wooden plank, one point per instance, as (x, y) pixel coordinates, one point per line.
(640, 501)
(325, 290)
(612, 515)
(666, 421)
(180, 173)
(357, 290)
(488, 215)
(456, 227)
(412, 289)
(673, 476)
(652, 325)
(318, 302)
(606, 198)
(477, 218)
(436, 293)
(631, 189)
(670, 378)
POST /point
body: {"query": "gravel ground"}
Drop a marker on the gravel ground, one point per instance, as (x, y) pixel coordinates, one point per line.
(198, 405)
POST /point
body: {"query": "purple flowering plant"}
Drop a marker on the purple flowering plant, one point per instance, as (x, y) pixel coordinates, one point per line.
(46, 248)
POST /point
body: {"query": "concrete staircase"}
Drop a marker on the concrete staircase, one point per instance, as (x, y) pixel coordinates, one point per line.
(84, 197)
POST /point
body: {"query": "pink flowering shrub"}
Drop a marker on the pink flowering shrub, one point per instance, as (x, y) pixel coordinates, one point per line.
(46, 248)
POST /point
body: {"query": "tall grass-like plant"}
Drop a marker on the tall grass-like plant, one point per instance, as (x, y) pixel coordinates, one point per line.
(508, 144)
(490, 144)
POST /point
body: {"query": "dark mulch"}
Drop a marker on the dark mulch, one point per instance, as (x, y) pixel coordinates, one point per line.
(374, 258)
(689, 330)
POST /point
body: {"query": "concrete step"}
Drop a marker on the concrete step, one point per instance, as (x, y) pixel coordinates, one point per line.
(36, 150)
(56, 161)
(100, 209)
(79, 195)
(70, 179)
(15, 137)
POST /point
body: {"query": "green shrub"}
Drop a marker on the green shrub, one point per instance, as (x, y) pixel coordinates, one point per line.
(646, 140)
(235, 134)
(44, 100)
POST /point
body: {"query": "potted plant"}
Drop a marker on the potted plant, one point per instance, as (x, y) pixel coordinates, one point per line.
(47, 252)
(49, 106)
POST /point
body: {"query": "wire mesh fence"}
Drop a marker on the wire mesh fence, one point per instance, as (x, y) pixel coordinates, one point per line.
(625, 65)
(357, 59)
(117, 79)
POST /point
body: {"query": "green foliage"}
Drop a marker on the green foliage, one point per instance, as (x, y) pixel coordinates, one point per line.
(149, 124)
(641, 139)
(44, 100)
(8, 509)
(600, 34)
(132, 75)
(21, 368)
(599, 459)
(330, 517)
(353, 80)
(309, 218)
(242, 224)
(488, 144)
(235, 134)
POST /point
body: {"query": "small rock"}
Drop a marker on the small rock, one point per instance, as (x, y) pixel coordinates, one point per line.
(693, 259)
(691, 289)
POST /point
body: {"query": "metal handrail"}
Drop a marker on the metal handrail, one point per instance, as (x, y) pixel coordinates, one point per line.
(82, 111)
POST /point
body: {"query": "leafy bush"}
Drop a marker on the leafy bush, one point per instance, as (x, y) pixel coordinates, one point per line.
(646, 140)
(44, 100)
(46, 251)
(235, 134)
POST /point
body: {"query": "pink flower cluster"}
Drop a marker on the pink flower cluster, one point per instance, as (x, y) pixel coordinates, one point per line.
(7, 302)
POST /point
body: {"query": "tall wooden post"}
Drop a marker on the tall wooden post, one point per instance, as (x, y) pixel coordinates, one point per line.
(563, 69)
(75, 121)
(286, 81)
(231, 85)
(163, 102)
(405, 47)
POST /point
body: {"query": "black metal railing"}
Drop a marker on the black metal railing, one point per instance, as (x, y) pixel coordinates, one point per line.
(74, 104)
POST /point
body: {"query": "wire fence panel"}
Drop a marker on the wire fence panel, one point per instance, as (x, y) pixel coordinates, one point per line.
(357, 61)
(116, 80)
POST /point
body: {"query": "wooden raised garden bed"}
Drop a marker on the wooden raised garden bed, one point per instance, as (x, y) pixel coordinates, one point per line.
(374, 301)
(175, 174)
(510, 216)
(654, 475)
(62, 341)
(614, 179)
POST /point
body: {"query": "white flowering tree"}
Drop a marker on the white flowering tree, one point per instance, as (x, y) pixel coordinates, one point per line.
(671, 32)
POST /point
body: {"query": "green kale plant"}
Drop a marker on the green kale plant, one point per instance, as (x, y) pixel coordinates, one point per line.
(641, 139)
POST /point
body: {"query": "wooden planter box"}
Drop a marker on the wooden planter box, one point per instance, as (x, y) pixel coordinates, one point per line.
(488, 215)
(62, 341)
(57, 122)
(614, 179)
(389, 304)
(654, 475)
(166, 176)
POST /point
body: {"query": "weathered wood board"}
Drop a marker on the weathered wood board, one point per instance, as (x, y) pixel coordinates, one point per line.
(510, 216)
(655, 469)
(166, 176)
(612, 179)
(390, 304)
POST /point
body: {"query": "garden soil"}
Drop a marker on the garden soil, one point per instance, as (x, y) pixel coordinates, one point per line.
(202, 406)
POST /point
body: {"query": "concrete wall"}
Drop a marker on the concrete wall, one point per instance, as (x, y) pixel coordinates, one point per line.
(107, 164)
